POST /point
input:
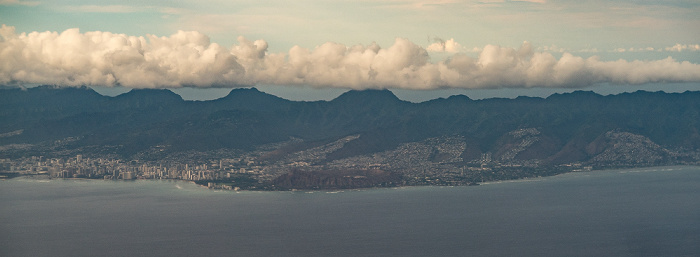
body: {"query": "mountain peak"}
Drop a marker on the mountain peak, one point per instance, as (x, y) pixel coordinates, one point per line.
(150, 93)
(251, 98)
(575, 94)
(242, 92)
(368, 95)
(250, 94)
(141, 98)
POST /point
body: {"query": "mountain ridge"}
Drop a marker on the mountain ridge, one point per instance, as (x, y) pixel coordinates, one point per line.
(582, 127)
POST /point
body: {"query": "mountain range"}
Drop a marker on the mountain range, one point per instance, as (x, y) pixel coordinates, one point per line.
(628, 129)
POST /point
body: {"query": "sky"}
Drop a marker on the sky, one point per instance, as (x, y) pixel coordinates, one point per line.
(317, 49)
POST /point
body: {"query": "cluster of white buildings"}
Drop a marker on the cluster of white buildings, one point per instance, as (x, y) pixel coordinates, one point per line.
(96, 168)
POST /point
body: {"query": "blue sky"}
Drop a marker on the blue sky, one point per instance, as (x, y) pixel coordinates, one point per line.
(322, 48)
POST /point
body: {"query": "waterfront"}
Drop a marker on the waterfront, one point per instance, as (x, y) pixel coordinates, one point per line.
(635, 212)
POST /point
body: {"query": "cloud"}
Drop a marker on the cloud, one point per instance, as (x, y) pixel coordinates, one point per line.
(189, 59)
(632, 49)
(679, 48)
(108, 59)
(440, 45)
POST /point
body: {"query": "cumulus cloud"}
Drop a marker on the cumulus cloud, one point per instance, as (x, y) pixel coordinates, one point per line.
(440, 45)
(189, 59)
(679, 48)
(104, 58)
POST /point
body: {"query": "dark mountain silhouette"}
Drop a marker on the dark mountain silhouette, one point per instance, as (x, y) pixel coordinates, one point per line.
(559, 129)
(251, 99)
(147, 98)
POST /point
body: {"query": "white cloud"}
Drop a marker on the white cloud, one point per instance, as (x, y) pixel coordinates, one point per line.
(450, 46)
(189, 59)
(679, 48)
(104, 58)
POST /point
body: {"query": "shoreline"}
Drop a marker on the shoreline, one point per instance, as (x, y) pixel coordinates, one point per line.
(336, 190)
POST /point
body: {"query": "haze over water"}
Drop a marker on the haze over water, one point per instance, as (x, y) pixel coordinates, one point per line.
(637, 212)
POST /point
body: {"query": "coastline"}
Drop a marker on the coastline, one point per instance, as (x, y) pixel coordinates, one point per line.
(336, 190)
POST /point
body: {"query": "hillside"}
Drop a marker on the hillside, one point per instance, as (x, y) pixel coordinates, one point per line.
(359, 130)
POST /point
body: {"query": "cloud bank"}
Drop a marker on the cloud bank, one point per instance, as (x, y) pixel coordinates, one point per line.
(189, 59)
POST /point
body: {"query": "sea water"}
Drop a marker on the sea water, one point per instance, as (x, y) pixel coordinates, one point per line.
(634, 212)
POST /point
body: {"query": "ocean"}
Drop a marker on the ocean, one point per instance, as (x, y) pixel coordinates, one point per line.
(632, 212)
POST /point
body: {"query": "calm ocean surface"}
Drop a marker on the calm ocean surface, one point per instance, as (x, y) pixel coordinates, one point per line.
(636, 212)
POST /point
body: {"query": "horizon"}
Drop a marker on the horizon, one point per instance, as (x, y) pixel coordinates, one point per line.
(201, 94)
